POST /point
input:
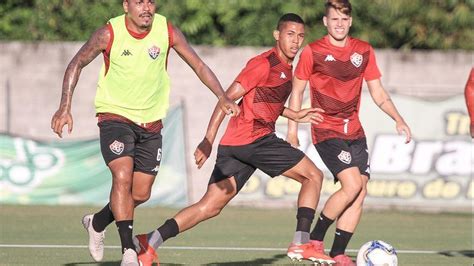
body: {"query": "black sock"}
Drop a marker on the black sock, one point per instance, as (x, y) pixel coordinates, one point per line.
(319, 231)
(304, 218)
(125, 229)
(103, 218)
(168, 229)
(341, 239)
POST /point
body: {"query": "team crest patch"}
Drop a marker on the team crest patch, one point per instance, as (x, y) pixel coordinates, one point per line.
(356, 59)
(154, 52)
(345, 157)
(117, 147)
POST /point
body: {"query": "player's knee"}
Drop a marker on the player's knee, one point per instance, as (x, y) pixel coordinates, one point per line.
(353, 191)
(140, 197)
(121, 181)
(210, 210)
(316, 175)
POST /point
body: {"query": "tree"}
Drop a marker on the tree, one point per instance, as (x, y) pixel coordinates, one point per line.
(398, 24)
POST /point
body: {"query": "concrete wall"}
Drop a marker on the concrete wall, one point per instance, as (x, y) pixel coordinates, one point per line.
(34, 72)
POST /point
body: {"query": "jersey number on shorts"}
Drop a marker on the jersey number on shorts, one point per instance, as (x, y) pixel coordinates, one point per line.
(158, 155)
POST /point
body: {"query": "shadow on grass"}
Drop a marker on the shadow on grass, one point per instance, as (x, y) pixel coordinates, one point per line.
(261, 261)
(457, 253)
(109, 263)
(105, 263)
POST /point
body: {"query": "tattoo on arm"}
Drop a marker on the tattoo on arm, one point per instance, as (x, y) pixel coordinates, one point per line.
(88, 52)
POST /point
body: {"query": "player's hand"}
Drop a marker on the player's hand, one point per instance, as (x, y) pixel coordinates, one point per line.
(228, 106)
(293, 140)
(61, 118)
(202, 152)
(309, 115)
(402, 128)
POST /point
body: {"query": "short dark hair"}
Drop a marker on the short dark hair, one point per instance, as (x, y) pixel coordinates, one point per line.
(343, 6)
(289, 17)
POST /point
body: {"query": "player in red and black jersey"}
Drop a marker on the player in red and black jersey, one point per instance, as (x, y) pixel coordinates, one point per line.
(335, 67)
(250, 143)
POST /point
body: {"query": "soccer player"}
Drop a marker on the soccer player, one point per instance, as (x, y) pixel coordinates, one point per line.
(469, 95)
(250, 143)
(132, 98)
(335, 67)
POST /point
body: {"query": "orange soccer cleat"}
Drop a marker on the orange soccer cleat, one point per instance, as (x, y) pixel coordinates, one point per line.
(146, 253)
(343, 260)
(318, 246)
(307, 252)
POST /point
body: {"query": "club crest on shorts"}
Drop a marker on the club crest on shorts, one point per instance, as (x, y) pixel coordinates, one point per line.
(345, 157)
(356, 59)
(154, 52)
(117, 147)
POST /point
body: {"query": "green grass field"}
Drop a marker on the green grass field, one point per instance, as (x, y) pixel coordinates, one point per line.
(246, 237)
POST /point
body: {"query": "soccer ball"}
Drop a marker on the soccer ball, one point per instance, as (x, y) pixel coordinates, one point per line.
(377, 253)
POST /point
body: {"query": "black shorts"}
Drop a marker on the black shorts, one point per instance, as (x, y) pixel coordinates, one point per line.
(119, 139)
(270, 154)
(340, 154)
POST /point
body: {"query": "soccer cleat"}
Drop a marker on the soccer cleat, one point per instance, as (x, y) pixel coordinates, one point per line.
(318, 246)
(96, 239)
(129, 258)
(307, 252)
(343, 260)
(146, 253)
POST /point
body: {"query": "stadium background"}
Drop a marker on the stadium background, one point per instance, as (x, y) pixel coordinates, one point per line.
(424, 50)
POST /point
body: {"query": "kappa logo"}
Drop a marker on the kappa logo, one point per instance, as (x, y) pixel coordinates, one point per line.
(126, 52)
(345, 157)
(117, 147)
(154, 52)
(356, 59)
(329, 58)
(156, 169)
(283, 76)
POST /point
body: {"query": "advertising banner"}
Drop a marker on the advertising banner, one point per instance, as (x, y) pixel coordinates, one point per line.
(433, 171)
(74, 172)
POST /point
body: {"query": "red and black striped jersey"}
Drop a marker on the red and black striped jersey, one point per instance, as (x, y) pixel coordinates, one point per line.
(267, 81)
(335, 76)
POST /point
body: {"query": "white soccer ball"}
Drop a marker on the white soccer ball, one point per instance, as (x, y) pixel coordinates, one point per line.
(377, 253)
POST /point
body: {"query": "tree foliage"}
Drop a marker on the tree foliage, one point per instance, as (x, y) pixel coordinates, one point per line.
(399, 24)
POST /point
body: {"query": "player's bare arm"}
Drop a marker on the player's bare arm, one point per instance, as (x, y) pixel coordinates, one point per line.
(307, 115)
(88, 52)
(205, 74)
(381, 97)
(204, 149)
(295, 102)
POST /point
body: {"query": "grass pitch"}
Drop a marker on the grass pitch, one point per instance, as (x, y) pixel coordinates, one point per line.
(53, 235)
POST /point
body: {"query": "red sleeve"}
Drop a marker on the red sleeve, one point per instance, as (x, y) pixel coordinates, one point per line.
(372, 71)
(254, 74)
(304, 68)
(469, 95)
(106, 53)
(170, 34)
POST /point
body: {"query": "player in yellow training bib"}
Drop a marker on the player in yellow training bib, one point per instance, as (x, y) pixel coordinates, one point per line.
(132, 98)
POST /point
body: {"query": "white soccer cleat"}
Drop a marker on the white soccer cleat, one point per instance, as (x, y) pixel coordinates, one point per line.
(129, 258)
(96, 239)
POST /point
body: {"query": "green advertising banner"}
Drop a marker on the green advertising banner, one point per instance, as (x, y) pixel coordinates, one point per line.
(74, 172)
